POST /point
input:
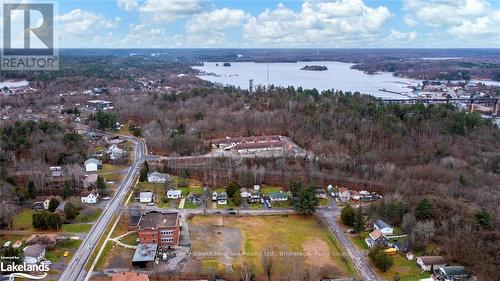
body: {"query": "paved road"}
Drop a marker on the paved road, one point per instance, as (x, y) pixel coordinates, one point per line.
(76, 268)
(358, 257)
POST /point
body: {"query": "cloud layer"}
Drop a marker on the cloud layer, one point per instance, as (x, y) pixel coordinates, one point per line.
(311, 23)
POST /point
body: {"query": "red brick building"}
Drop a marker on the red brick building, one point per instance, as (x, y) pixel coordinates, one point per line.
(159, 227)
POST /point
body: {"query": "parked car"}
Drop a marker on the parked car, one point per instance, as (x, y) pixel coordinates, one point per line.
(151, 204)
(106, 198)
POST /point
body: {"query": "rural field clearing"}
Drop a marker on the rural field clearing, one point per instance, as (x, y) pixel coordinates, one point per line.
(298, 246)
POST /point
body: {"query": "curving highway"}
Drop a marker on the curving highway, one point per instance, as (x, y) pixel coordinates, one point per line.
(75, 271)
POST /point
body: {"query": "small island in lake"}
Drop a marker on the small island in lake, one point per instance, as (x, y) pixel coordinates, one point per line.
(314, 68)
(226, 64)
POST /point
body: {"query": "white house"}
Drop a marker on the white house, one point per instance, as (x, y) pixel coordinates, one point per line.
(214, 196)
(156, 177)
(146, 197)
(46, 203)
(55, 171)
(33, 254)
(383, 227)
(90, 197)
(344, 194)
(244, 193)
(222, 198)
(256, 187)
(92, 165)
(174, 194)
(115, 152)
(427, 263)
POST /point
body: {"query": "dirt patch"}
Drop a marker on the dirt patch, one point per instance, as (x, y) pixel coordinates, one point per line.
(317, 252)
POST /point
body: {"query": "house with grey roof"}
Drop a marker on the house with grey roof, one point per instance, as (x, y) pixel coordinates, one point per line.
(383, 227)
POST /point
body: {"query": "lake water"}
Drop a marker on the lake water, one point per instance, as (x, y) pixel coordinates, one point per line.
(339, 76)
(13, 84)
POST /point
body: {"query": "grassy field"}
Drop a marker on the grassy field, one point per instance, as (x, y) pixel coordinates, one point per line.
(56, 254)
(359, 240)
(76, 227)
(406, 270)
(23, 220)
(111, 172)
(158, 188)
(130, 239)
(265, 189)
(303, 236)
(82, 219)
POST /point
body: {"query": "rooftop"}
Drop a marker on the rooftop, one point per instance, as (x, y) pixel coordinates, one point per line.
(430, 260)
(155, 219)
(34, 250)
(145, 252)
(381, 224)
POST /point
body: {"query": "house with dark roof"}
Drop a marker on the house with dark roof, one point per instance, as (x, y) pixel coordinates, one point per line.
(278, 196)
(376, 238)
(451, 273)
(161, 228)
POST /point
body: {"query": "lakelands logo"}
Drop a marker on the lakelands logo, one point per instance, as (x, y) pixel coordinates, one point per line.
(19, 270)
(28, 37)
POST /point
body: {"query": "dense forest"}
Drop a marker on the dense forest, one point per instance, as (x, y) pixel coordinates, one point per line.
(436, 152)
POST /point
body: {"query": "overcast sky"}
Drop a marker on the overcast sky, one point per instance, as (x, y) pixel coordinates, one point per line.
(262, 23)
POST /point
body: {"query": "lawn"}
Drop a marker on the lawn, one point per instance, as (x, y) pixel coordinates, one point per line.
(158, 188)
(56, 254)
(265, 189)
(190, 205)
(93, 217)
(192, 183)
(130, 239)
(195, 190)
(304, 237)
(407, 270)
(23, 220)
(359, 240)
(76, 227)
(111, 172)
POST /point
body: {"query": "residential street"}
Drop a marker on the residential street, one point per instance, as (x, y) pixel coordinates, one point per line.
(359, 259)
(76, 268)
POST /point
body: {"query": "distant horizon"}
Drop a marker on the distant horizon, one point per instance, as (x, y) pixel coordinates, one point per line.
(276, 23)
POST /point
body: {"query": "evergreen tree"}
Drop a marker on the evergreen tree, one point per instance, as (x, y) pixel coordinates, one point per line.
(295, 186)
(237, 198)
(231, 189)
(70, 211)
(144, 172)
(100, 183)
(31, 190)
(347, 215)
(67, 190)
(306, 201)
(53, 204)
(423, 211)
(358, 221)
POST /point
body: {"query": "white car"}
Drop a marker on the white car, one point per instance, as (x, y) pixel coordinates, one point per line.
(47, 262)
(106, 198)
(151, 204)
